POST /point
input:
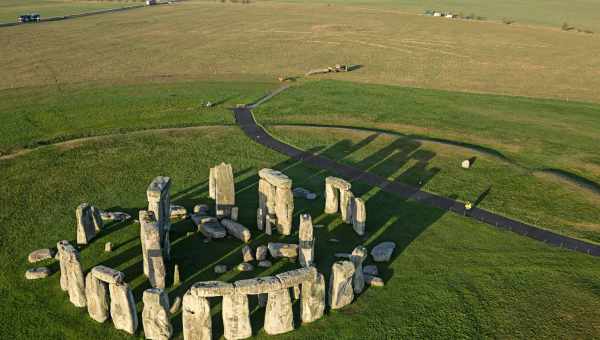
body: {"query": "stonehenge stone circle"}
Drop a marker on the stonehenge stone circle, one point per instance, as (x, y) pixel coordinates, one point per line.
(96, 294)
(40, 255)
(306, 241)
(341, 292)
(312, 303)
(222, 189)
(359, 254)
(237, 230)
(37, 273)
(122, 307)
(152, 253)
(159, 203)
(275, 202)
(155, 315)
(383, 251)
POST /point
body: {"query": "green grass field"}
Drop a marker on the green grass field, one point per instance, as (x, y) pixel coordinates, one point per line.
(11, 9)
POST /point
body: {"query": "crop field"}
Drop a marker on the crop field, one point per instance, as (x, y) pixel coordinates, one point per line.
(92, 109)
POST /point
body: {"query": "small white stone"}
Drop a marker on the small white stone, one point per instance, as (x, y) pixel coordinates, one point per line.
(245, 267)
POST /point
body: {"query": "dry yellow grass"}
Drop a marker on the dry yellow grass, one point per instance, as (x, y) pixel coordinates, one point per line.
(206, 40)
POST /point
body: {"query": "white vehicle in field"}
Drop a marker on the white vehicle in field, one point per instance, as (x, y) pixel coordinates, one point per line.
(150, 2)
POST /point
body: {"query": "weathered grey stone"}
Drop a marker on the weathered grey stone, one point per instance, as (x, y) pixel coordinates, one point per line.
(177, 211)
(197, 321)
(40, 255)
(383, 251)
(108, 247)
(64, 278)
(223, 189)
(75, 278)
(220, 269)
(276, 178)
(247, 254)
(371, 270)
(37, 273)
(260, 219)
(359, 216)
(236, 317)
(279, 317)
(155, 315)
(331, 199)
(96, 294)
(122, 307)
(338, 183)
(297, 276)
(284, 209)
(153, 255)
(341, 292)
(159, 203)
(97, 219)
(86, 231)
(374, 281)
(112, 216)
(209, 226)
(257, 285)
(175, 306)
(312, 303)
(265, 264)
(270, 223)
(235, 212)
(211, 288)
(237, 230)
(346, 205)
(245, 267)
(282, 249)
(306, 241)
(359, 254)
(261, 253)
(107, 274)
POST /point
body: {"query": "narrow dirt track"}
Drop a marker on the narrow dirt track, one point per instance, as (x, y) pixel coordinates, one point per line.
(247, 123)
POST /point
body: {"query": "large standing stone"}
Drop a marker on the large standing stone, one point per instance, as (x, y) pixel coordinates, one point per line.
(283, 249)
(237, 230)
(154, 263)
(359, 216)
(64, 278)
(159, 203)
(122, 307)
(312, 302)
(279, 316)
(75, 278)
(222, 189)
(40, 255)
(346, 205)
(359, 254)
(86, 230)
(197, 321)
(383, 251)
(107, 274)
(306, 241)
(209, 226)
(155, 316)
(284, 209)
(96, 294)
(341, 292)
(236, 317)
(275, 195)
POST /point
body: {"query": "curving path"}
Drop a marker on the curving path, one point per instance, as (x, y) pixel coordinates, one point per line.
(246, 121)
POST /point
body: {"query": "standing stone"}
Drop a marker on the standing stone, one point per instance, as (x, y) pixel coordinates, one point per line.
(40, 255)
(261, 253)
(264, 189)
(341, 292)
(346, 201)
(64, 278)
(260, 219)
(247, 254)
(222, 189)
(359, 254)
(236, 317)
(96, 294)
(176, 306)
(108, 247)
(86, 230)
(197, 321)
(155, 316)
(306, 241)
(235, 212)
(122, 307)
(75, 278)
(312, 303)
(279, 317)
(154, 263)
(212, 183)
(159, 203)
(176, 277)
(271, 222)
(331, 199)
(237, 230)
(284, 209)
(359, 216)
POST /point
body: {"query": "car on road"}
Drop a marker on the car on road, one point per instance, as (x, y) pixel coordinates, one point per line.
(33, 17)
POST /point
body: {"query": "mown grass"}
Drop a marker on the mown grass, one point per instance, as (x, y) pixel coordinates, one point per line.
(270, 39)
(11, 9)
(450, 277)
(492, 183)
(42, 115)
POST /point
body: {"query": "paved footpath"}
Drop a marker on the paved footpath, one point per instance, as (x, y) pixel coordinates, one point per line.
(245, 120)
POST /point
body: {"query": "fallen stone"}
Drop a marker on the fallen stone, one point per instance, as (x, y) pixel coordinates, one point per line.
(107, 274)
(236, 317)
(122, 307)
(211, 288)
(341, 292)
(279, 316)
(155, 315)
(304, 193)
(312, 302)
(259, 285)
(220, 269)
(265, 264)
(247, 254)
(237, 230)
(114, 216)
(37, 273)
(282, 249)
(178, 211)
(196, 317)
(374, 281)
(371, 270)
(108, 247)
(245, 267)
(40, 255)
(209, 226)
(96, 294)
(261, 253)
(383, 251)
